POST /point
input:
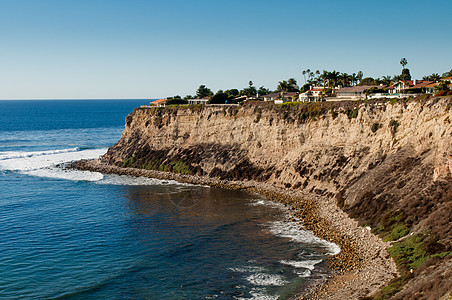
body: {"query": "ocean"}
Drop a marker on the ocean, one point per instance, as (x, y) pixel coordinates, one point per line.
(67, 234)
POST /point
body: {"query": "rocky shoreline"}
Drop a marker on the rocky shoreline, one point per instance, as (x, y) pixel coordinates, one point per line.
(360, 269)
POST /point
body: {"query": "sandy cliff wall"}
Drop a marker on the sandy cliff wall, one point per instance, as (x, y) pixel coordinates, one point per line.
(388, 165)
(324, 155)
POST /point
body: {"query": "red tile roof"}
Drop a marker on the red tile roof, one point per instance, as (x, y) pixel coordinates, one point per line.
(158, 101)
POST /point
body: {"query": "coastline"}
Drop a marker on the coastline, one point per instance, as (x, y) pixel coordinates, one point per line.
(359, 270)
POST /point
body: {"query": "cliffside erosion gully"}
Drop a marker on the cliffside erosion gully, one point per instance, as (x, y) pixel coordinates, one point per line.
(374, 177)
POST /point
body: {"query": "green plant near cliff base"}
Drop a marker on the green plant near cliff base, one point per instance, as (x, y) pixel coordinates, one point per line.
(128, 162)
(398, 231)
(395, 286)
(175, 166)
(152, 165)
(181, 167)
(394, 124)
(414, 251)
(375, 127)
(391, 227)
(410, 253)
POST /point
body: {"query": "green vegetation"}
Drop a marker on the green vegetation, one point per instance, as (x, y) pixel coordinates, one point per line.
(394, 124)
(334, 113)
(414, 251)
(176, 100)
(395, 286)
(351, 113)
(203, 92)
(375, 127)
(391, 227)
(175, 166)
(128, 162)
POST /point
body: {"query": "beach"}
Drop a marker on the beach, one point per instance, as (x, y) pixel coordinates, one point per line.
(360, 269)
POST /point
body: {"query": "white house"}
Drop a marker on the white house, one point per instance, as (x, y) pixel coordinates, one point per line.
(313, 95)
(198, 101)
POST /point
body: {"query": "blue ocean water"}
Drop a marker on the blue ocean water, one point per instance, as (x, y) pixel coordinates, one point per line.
(68, 234)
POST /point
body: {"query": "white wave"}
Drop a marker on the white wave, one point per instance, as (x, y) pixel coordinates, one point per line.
(58, 173)
(293, 231)
(12, 154)
(303, 273)
(266, 202)
(306, 264)
(264, 279)
(247, 269)
(28, 161)
(43, 163)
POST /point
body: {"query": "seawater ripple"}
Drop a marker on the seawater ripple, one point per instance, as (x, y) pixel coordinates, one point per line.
(85, 235)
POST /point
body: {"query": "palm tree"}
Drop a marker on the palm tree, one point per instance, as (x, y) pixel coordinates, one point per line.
(308, 72)
(403, 62)
(304, 75)
(386, 80)
(311, 75)
(443, 86)
(353, 78)
(292, 84)
(334, 76)
(359, 76)
(283, 86)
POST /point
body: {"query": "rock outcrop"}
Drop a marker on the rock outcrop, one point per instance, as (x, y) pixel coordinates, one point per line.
(388, 165)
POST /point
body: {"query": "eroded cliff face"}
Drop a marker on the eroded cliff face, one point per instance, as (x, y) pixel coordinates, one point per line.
(322, 155)
(388, 165)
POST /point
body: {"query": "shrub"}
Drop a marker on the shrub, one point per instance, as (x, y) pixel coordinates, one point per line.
(334, 113)
(375, 127)
(394, 124)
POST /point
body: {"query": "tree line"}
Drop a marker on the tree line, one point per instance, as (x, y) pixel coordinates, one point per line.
(327, 79)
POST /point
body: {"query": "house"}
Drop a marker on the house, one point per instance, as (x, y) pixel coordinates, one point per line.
(409, 86)
(353, 92)
(313, 95)
(281, 97)
(158, 103)
(198, 101)
(430, 88)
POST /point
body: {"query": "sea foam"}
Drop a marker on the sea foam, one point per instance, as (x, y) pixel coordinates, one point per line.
(292, 230)
(44, 163)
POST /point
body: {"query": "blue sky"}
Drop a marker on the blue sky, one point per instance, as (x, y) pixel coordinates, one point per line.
(152, 49)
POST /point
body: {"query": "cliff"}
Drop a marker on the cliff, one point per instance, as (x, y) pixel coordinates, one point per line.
(388, 165)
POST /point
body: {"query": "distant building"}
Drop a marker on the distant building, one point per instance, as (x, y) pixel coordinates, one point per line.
(410, 86)
(198, 101)
(353, 92)
(313, 95)
(158, 103)
(430, 88)
(281, 97)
